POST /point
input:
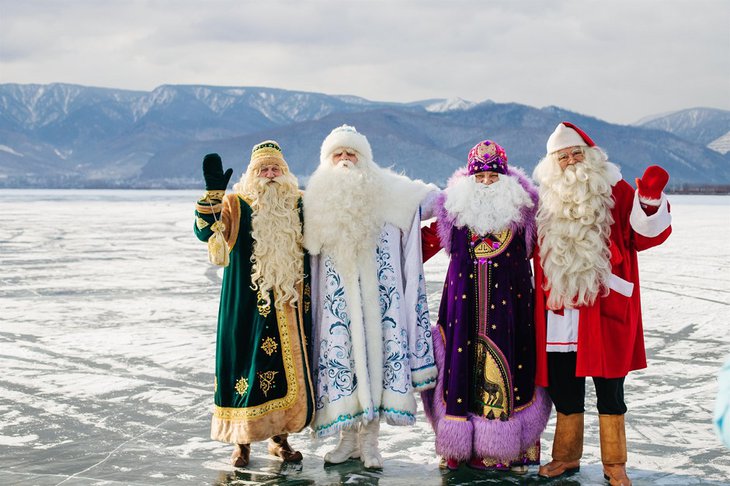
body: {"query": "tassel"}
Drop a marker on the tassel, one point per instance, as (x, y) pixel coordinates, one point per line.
(217, 244)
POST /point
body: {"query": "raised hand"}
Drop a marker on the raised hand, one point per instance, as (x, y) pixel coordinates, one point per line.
(215, 178)
(652, 183)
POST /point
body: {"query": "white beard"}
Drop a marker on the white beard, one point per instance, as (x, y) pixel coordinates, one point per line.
(278, 258)
(342, 211)
(487, 209)
(573, 226)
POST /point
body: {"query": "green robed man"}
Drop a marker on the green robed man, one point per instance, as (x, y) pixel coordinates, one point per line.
(262, 379)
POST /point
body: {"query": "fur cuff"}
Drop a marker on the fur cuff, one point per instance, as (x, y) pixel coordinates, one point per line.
(424, 379)
(650, 226)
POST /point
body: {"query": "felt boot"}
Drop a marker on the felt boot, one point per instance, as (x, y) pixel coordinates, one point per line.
(279, 447)
(567, 446)
(241, 454)
(371, 458)
(347, 448)
(613, 449)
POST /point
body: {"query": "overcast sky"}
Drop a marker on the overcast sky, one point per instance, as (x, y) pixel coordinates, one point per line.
(615, 60)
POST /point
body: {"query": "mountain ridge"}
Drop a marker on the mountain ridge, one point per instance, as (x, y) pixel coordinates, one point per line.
(64, 135)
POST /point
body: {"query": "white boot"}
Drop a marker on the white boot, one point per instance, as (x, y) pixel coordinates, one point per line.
(371, 458)
(346, 448)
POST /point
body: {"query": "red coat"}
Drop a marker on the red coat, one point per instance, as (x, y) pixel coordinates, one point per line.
(610, 332)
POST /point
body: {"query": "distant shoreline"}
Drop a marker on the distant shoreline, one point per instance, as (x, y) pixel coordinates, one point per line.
(697, 189)
(688, 189)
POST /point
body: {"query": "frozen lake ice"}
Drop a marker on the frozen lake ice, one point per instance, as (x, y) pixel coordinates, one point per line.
(107, 330)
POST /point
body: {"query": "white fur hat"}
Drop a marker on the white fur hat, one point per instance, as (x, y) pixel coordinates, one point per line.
(568, 135)
(347, 137)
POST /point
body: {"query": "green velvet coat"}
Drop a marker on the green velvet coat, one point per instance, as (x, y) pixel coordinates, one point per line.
(262, 377)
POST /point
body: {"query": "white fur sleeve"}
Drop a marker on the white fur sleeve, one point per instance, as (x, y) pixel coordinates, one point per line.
(428, 204)
(311, 242)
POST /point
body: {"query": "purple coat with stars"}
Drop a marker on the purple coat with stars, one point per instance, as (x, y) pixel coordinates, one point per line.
(484, 344)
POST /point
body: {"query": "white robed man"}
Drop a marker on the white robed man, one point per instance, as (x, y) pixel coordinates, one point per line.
(372, 339)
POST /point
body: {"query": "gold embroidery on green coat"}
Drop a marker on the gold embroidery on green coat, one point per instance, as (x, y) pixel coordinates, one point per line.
(242, 386)
(307, 297)
(201, 223)
(266, 380)
(290, 372)
(264, 308)
(269, 346)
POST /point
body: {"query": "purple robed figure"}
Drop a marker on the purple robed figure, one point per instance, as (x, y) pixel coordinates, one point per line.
(486, 409)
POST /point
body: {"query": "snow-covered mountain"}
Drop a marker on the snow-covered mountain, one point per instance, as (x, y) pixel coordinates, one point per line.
(721, 144)
(708, 126)
(61, 135)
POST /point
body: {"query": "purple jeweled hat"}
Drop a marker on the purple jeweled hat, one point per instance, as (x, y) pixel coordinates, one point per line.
(487, 156)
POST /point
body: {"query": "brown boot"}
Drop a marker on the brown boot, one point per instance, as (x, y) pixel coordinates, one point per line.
(613, 449)
(567, 446)
(279, 447)
(241, 454)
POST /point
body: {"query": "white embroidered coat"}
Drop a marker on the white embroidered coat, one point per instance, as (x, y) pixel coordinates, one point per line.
(352, 384)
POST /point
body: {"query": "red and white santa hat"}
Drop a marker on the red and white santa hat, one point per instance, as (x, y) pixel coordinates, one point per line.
(568, 135)
(345, 136)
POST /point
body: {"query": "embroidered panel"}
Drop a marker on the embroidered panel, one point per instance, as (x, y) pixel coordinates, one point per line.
(422, 347)
(335, 366)
(396, 371)
(290, 374)
(492, 384)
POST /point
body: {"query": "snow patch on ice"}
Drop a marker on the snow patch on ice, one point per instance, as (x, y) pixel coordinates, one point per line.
(9, 150)
(15, 441)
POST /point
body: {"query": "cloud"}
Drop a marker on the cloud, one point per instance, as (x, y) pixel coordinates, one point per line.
(616, 60)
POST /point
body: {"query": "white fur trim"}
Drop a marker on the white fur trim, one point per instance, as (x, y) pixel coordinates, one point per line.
(564, 137)
(649, 201)
(373, 327)
(424, 379)
(394, 402)
(613, 172)
(360, 329)
(344, 136)
(400, 198)
(623, 287)
(650, 226)
(562, 331)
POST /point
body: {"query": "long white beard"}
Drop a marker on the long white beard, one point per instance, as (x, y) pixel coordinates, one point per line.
(487, 209)
(573, 227)
(278, 258)
(341, 211)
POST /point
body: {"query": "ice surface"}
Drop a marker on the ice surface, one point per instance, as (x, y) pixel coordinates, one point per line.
(107, 339)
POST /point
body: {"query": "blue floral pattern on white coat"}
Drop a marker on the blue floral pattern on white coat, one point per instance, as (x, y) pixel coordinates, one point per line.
(335, 367)
(396, 372)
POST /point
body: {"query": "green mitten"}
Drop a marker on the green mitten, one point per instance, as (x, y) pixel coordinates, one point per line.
(215, 178)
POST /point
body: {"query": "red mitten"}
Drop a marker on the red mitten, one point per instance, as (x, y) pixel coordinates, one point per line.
(652, 183)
